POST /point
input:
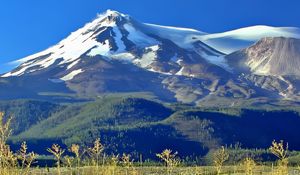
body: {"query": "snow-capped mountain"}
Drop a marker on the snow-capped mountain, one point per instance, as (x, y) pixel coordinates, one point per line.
(115, 53)
(116, 36)
(118, 54)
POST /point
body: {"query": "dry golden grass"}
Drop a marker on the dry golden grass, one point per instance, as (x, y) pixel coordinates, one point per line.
(7, 158)
(280, 151)
(220, 156)
(170, 159)
(248, 166)
(57, 152)
(25, 158)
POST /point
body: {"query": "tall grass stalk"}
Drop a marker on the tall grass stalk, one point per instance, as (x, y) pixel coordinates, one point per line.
(57, 151)
(219, 158)
(170, 158)
(95, 153)
(281, 152)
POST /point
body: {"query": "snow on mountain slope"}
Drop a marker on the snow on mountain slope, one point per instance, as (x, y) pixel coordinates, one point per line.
(71, 75)
(115, 53)
(69, 49)
(81, 41)
(234, 40)
(113, 35)
(181, 36)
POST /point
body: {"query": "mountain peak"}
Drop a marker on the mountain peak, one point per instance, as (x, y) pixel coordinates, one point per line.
(110, 12)
(113, 16)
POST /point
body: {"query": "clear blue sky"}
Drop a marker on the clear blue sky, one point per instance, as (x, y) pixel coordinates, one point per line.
(29, 26)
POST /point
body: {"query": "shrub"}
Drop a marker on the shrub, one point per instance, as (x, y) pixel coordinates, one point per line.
(281, 152)
(219, 157)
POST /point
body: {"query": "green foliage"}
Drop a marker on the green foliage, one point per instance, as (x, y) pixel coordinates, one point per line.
(107, 113)
(27, 113)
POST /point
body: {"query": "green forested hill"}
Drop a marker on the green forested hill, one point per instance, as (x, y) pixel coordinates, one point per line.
(26, 113)
(143, 126)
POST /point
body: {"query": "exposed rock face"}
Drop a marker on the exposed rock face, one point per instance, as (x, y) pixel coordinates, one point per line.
(270, 56)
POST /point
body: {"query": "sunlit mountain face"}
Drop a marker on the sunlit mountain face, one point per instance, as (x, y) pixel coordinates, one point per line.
(117, 54)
